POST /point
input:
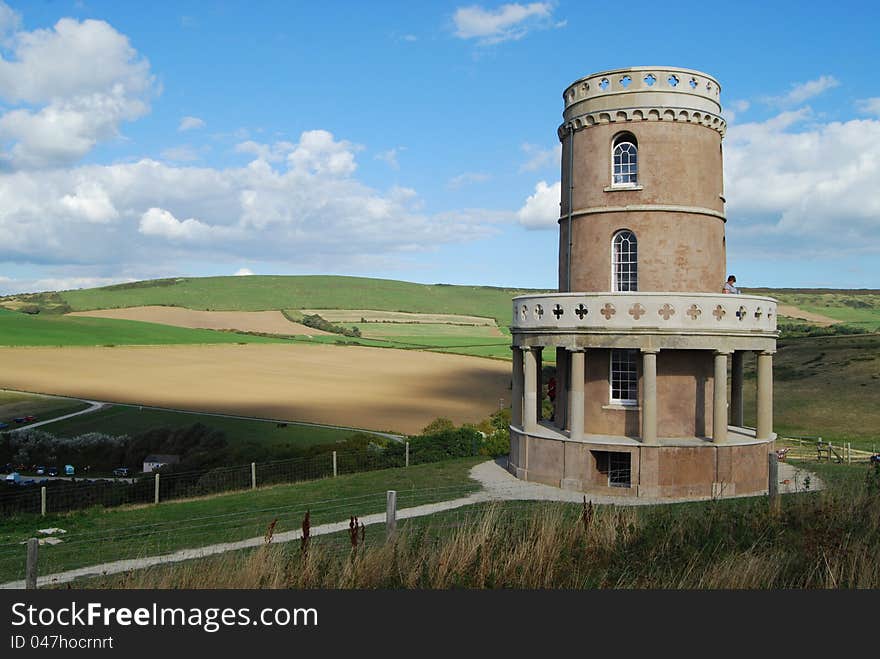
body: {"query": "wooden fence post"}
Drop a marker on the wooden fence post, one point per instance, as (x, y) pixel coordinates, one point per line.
(156, 495)
(30, 576)
(253, 475)
(43, 501)
(390, 513)
(407, 454)
(773, 481)
(334, 464)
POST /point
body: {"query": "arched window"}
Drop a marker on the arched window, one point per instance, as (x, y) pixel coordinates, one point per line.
(624, 160)
(624, 262)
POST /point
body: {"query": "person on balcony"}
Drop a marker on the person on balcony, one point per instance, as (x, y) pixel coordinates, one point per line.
(730, 286)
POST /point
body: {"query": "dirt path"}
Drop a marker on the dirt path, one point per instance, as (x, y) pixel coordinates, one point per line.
(377, 388)
(268, 322)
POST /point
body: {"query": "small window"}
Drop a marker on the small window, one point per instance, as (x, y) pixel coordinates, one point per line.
(624, 262)
(615, 466)
(624, 161)
(624, 377)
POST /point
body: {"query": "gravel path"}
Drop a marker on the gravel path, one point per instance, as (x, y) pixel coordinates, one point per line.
(498, 485)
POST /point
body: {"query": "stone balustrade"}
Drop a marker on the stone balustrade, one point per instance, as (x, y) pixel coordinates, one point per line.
(662, 313)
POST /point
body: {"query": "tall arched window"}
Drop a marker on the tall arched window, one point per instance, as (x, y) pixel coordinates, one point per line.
(624, 261)
(624, 160)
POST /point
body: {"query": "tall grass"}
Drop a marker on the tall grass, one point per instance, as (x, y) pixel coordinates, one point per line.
(818, 540)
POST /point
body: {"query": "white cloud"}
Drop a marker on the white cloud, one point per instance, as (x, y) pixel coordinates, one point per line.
(539, 158)
(307, 211)
(74, 84)
(90, 202)
(467, 178)
(190, 123)
(803, 91)
(10, 20)
(508, 22)
(319, 153)
(243, 272)
(390, 157)
(799, 187)
(183, 153)
(541, 210)
(869, 106)
(159, 222)
(276, 152)
(410, 37)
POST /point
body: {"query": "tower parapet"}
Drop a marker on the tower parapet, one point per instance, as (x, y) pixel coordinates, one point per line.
(642, 93)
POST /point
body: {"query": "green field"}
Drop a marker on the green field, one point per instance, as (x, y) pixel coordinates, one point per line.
(259, 293)
(97, 535)
(14, 404)
(19, 329)
(130, 420)
(825, 386)
(432, 330)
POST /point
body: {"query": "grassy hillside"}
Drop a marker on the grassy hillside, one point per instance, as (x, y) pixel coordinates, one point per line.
(259, 293)
(20, 329)
(825, 386)
(14, 404)
(96, 535)
(858, 308)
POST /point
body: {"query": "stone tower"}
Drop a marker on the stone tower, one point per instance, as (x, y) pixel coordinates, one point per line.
(642, 334)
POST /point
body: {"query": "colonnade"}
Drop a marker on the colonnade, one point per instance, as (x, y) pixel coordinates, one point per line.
(527, 383)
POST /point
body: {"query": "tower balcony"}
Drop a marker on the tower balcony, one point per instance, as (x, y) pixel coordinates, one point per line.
(662, 319)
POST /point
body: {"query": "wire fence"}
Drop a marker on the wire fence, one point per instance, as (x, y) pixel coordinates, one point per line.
(62, 495)
(98, 544)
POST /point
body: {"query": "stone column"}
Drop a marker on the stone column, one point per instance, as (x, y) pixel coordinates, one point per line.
(576, 395)
(736, 389)
(516, 394)
(530, 379)
(539, 379)
(719, 410)
(765, 395)
(649, 396)
(559, 405)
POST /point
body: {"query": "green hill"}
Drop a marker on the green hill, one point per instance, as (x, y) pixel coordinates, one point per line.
(260, 293)
(19, 329)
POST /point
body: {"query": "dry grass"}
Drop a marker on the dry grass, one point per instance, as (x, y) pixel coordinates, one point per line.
(822, 540)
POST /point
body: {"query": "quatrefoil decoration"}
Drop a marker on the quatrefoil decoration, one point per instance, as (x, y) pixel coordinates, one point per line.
(524, 312)
(539, 312)
(694, 312)
(557, 311)
(637, 311)
(608, 311)
(719, 312)
(741, 313)
(666, 311)
(581, 311)
(758, 313)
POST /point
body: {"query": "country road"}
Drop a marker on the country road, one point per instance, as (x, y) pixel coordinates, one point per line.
(94, 406)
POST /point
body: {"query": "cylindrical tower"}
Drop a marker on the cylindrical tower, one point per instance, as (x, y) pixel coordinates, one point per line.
(643, 336)
(641, 151)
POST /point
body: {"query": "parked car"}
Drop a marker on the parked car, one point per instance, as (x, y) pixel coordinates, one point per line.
(68, 470)
(121, 472)
(14, 477)
(52, 471)
(25, 419)
(41, 471)
(3, 425)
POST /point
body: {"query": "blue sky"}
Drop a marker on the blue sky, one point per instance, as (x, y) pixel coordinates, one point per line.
(412, 141)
